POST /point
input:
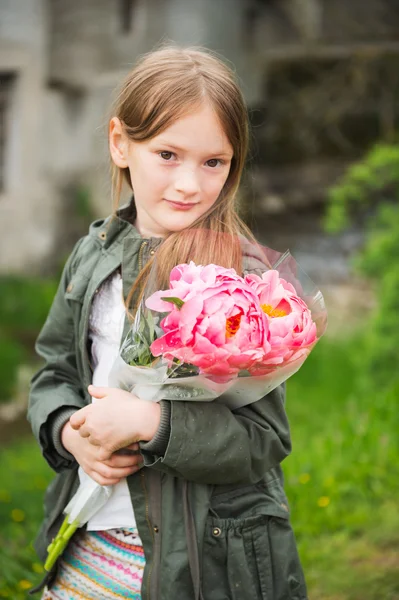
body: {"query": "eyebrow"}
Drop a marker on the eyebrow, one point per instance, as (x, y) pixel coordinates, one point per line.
(221, 153)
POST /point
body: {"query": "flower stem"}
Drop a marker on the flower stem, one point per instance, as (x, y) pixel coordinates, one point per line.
(59, 543)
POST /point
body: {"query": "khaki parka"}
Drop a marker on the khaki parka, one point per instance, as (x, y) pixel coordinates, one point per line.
(211, 510)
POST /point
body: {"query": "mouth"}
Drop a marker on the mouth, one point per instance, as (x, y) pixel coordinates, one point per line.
(181, 205)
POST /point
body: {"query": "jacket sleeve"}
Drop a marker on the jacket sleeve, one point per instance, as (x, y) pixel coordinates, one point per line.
(211, 444)
(56, 388)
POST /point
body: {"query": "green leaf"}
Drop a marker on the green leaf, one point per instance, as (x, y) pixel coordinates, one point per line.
(151, 325)
(176, 301)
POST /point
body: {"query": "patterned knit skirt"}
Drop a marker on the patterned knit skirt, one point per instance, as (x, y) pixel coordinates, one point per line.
(100, 565)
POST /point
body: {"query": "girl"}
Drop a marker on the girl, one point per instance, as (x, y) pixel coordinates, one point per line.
(198, 509)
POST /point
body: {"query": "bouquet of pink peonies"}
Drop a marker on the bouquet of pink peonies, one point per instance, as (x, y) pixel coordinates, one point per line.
(214, 335)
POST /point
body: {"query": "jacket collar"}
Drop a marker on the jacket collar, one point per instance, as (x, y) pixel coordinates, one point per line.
(118, 226)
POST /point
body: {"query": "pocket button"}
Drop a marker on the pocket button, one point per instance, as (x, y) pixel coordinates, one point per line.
(216, 531)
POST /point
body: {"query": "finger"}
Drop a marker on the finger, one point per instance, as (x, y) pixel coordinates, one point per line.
(103, 480)
(134, 446)
(85, 433)
(111, 473)
(103, 454)
(123, 461)
(98, 392)
(78, 418)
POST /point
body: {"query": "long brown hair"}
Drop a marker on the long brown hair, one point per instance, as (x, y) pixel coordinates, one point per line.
(160, 89)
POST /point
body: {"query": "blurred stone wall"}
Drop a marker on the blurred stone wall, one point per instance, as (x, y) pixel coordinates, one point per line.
(62, 59)
(27, 208)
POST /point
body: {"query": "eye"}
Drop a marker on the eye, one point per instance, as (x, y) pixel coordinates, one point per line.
(213, 162)
(166, 155)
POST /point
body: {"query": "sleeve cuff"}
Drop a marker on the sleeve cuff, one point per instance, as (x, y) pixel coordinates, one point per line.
(55, 428)
(160, 441)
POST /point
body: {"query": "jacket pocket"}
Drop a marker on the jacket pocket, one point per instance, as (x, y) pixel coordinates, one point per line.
(76, 288)
(254, 558)
(288, 577)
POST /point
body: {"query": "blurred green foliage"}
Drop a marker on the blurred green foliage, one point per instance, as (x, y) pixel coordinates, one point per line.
(364, 184)
(24, 304)
(83, 206)
(12, 354)
(370, 191)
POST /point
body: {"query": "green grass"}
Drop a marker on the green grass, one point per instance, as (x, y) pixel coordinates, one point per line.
(23, 479)
(341, 481)
(341, 478)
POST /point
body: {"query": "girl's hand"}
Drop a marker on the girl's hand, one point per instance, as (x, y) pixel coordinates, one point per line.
(115, 420)
(105, 472)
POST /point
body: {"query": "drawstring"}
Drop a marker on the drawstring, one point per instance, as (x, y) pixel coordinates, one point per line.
(192, 546)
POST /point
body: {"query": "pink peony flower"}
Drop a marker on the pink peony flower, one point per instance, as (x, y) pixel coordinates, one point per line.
(291, 327)
(219, 327)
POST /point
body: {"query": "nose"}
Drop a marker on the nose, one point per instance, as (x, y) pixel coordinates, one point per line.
(187, 182)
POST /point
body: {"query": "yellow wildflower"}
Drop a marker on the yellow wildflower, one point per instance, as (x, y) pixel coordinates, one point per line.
(304, 478)
(323, 501)
(37, 568)
(24, 584)
(17, 515)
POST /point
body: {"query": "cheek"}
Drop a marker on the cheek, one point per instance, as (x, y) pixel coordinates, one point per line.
(155, 176)
(213, 186)
(159, 179)
(146, 177)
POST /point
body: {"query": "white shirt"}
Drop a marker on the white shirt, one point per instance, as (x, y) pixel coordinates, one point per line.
(106, 322)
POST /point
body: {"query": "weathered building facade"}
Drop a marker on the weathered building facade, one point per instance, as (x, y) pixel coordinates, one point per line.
(60, 61)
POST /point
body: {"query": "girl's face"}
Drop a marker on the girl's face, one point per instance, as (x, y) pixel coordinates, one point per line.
(177, 175)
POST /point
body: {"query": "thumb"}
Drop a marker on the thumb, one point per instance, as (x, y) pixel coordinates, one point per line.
(98, 392)
(78, 419)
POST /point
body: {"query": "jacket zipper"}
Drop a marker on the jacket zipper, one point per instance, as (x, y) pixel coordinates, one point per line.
(147, 516)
